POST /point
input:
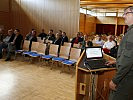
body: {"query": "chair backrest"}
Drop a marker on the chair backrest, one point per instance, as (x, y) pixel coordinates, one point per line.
(48, 41)
(41, 48)
(67, 44)
(94, 44)
(34, 46)
(53, 50)
(75, 54)
(26, 45)
(76, 45)
(40, 40)
(64, 52)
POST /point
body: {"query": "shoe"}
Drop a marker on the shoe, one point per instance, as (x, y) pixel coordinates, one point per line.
(0, 56)
(7, 59)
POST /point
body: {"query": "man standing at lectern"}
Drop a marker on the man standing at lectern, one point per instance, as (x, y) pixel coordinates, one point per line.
(122, 83)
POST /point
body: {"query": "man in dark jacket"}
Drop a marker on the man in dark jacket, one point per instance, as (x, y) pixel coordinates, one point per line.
(15, 44)
(77, 39)
(32, 38)
(42, 34)
(8, 39)
(122, 83)
(57, 40)
(29, 35)
(50, 36)
(64, 38)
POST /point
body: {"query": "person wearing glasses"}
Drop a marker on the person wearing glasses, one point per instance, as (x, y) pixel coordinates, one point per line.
(122, 84)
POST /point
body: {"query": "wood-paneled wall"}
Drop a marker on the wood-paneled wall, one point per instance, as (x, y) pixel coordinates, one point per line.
(4, 21)
(121, 21)
(47, 14)
(90, 26)
(110, 20)
(106, 20)
(4, 14)
(82, 23)
(87, 23)
(4, 5)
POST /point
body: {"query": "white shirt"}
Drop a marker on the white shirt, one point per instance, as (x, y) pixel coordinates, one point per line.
(100, 43)
(109, 44)
(6, 39)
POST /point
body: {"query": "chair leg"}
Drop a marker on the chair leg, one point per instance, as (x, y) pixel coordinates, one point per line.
(47, 62)
(23, 57)
(52, 65)
(42, 62)
(39, 59)
(15, 56)
(33, 60)
(29, 60)
(62, 69)
(69, 68)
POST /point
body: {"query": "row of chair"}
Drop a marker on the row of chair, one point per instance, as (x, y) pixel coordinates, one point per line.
(67, 55)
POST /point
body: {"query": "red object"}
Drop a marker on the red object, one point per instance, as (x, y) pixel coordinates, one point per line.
(107, 51)
(76, 41)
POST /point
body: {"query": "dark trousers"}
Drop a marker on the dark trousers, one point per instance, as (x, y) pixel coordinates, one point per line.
(9, 47)
(3, 45)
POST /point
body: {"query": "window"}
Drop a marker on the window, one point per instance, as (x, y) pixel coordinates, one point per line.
(82, 10)
(110, 14)
(89, 12)
(100, 14)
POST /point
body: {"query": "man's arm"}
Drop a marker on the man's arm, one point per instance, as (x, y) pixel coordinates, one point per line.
(126, 63)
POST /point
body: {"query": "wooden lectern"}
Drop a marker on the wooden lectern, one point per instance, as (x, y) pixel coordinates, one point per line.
(92, 84)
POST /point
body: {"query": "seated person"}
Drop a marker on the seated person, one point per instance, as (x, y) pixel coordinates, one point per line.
(98, 40)
(50, 36)
(8, 39)
(86, 42)
(60, 32)
(82, 36)
(15, 44)
(29, 35)
(42, 34)
(64, 37)
(108, 45)
(58, 39)
(33, 38)
(114, 39)
(77, 39)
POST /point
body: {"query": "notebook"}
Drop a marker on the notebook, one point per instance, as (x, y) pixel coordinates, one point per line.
(94, 58)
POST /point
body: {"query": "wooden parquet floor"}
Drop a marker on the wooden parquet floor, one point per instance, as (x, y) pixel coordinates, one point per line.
(25, 81)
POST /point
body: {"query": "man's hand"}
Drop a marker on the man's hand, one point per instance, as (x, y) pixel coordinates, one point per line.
(112, 85)
(111, 62)
(12, 43)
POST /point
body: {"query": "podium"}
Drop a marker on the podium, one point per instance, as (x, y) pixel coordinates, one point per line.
(92, 84)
